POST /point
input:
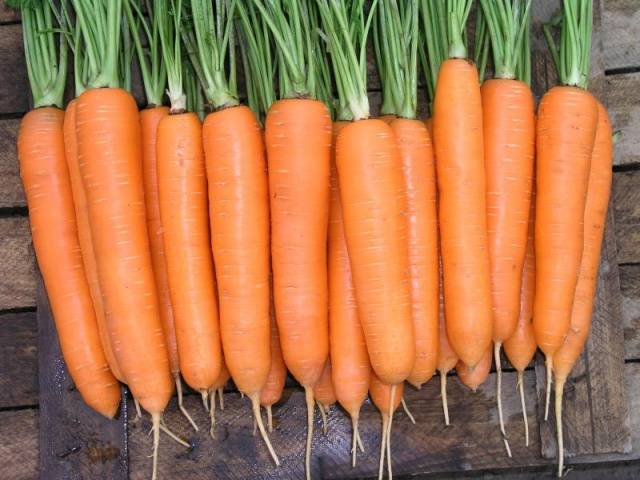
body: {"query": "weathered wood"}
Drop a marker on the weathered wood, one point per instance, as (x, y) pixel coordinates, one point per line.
(11, 192)
(630, 287)
(8, 14)
(623, 102)
(471, 442)
(14, 90)
(19, 445)
(17, 268)
(18, 360)
(621, 22)
(75, 441)
(626, 198)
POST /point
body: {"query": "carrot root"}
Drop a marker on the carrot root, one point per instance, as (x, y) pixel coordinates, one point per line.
(496, 355)
(137, 405)
(155, 418)
(221, 398)
(255, 403)
(181, 406)
(355, 442)
(205, 399)
(323, 414)
(308, 394)
(383, 444)
(212, 414)
(255, 426)
(173, 436)
(549, 363)
(524, 408)
(407, 411)
(360, 445)
(443, 394)
(391, 405)
(269, 419)
(558, 402)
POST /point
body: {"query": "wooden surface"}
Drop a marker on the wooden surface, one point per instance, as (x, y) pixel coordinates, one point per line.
(17, 268)
(19, 360)
(622, 19)
(630, 286)
(623, 98)
(75, 441)
(626, 197)
(11, 193)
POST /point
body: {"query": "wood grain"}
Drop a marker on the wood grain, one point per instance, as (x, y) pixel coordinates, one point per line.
(14, 88)
(75, 441)
(17, 268)
(11, 192)
(630, 287)
(626, 198)
(623, 102)
(621, 21)
(18, 360)
(19, 445)
(8, 14)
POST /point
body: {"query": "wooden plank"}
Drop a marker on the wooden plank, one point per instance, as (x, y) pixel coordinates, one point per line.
(18, 360)
(75, 441)
(14, 91)
(11, 192)
(621, 21)
(471, 442)
(7, 14)
(626, 198)
(17, 269)
(623, 102)
(19, 445)
(630, 287)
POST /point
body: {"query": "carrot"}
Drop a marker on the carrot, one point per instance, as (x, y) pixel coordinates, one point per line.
(298, 140)
(48, 190)
(324, 393)
(521, 346)
(595, 216)
(272, 390)
(562, 176)
(373, 202)
(351, 370)
(110, 157)
(447, 358)
(386, 398)
(509, 137)
(459, 149)
(84, 235)
(418, 169)
(474, 377)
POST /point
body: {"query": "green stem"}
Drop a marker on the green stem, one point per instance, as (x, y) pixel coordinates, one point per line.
(169, 33)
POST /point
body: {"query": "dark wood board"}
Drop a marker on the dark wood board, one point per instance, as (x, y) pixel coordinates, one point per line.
(14, 88)
(19, 445)
(630, 288)
(18, 360)
(621, 22)
(626, 198)
(11, 192)
(623, 101)
(17, 268)
(75, 442)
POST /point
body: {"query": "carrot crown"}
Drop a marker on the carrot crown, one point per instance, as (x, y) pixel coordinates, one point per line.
(100, 24)
(152, 68)
(523, 64)
(46, 56)
(169, 33)
(457, 15)
(395, 39)
(210, 43)
(506, 21)
(571, 57)
(346, 30)
(193, 90)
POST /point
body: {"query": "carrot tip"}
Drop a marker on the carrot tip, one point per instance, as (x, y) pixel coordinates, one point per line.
(257, 418)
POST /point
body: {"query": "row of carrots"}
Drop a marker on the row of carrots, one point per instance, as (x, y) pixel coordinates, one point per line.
(356, 253)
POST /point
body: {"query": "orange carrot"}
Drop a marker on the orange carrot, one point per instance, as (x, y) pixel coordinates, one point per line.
(474, 377)
(447, 358)
(84, 235)
(324, 393)
(272, 390)
(386, 398)
(351, 370)
(595, 215)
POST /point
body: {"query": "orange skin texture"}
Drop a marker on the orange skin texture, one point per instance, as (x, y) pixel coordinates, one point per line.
(298, 139)
(521, 346)
(595, 217)
(323, 390)
(458, 138)
(47, 187)
(418, 166)
(475, 377)
(222, 378)
(566, 130)
(182, 187)
(374, 206)
(509, 133)
(351, 370)
(387, 118)
(84, 235)
(447, 358)
(272, 389)
(239, 220)
(149, 120)
(110, 154)
(381, 394)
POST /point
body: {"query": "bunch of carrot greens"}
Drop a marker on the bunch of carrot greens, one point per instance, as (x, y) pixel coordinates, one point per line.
(208, 240)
